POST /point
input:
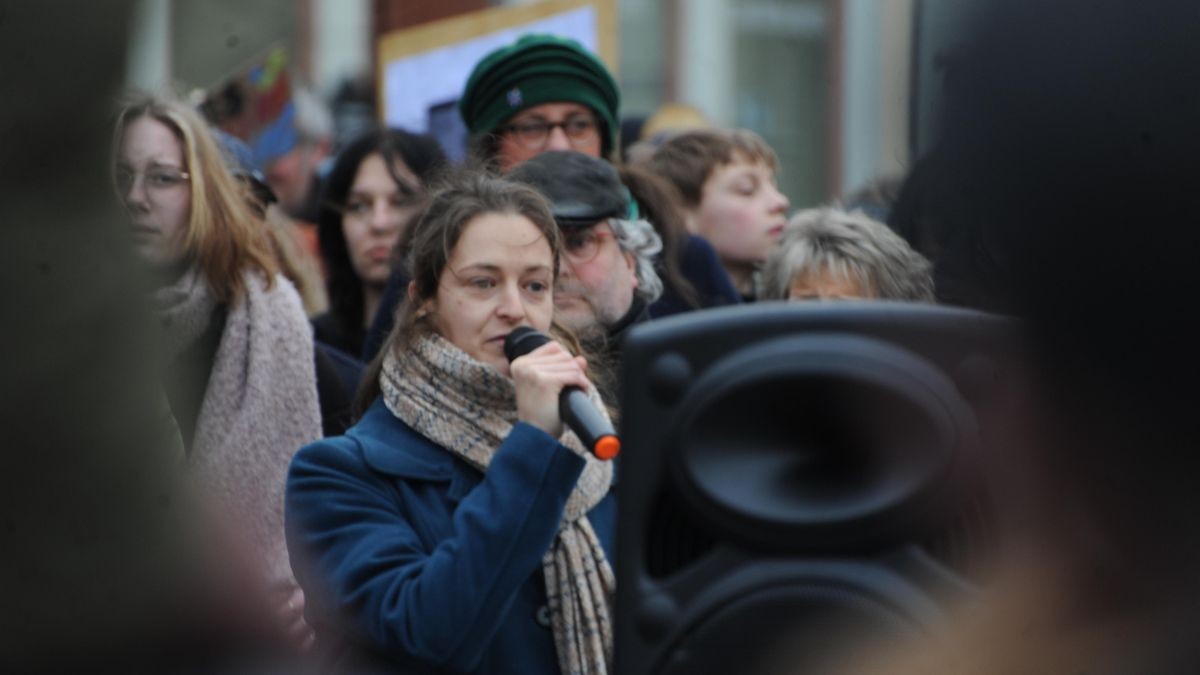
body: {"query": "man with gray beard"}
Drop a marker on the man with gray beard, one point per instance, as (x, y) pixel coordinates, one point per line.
(607, 279)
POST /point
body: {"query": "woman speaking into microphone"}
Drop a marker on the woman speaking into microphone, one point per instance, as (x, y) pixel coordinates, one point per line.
(458, 526)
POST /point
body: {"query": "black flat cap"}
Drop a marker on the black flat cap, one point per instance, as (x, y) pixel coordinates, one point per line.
(582, 190)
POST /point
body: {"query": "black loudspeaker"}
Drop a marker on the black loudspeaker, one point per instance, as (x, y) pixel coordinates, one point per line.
(793, 477)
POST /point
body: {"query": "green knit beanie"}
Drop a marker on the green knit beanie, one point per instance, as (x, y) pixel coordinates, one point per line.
(539, 69)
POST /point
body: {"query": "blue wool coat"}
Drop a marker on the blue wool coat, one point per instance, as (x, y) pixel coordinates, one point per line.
(412, 559)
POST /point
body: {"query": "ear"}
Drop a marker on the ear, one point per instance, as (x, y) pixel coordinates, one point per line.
(631, 263)
(426, 308)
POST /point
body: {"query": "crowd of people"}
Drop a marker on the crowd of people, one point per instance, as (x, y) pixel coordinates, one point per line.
(333, 344)
(449, 520)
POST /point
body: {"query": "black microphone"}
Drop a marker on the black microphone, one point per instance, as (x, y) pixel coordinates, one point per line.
(574, 407)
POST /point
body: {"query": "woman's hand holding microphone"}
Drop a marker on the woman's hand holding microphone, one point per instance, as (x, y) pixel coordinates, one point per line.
(540, 377)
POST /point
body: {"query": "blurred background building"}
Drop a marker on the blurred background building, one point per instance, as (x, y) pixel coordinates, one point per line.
(826, 82)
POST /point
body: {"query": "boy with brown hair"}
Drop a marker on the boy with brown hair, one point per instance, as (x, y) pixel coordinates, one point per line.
(726, 179)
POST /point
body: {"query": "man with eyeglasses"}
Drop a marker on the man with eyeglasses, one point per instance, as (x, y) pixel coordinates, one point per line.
(545, 93)
(541, 93)
(607, 277)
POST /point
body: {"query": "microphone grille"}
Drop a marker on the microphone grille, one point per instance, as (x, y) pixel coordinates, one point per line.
(523, 340)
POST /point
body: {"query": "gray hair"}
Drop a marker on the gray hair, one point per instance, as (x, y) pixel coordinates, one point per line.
(852, 246)
(640, 238)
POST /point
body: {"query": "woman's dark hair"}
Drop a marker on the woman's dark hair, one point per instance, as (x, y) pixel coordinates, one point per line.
(659, 204)
(430, 242)
(421, 154)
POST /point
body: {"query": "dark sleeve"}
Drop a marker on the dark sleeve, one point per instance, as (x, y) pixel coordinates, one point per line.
(384, 319)
(438, 607)
(326, 329)
(338, 377)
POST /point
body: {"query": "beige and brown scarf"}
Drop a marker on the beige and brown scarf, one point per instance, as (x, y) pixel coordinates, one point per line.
(469, 408)
(260, 405)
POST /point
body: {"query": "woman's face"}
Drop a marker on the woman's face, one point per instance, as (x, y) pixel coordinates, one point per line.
(154, 185)
(376, 212)
(828, 285)
(499, 276)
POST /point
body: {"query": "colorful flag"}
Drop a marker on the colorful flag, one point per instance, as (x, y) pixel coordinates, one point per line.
(256, 105)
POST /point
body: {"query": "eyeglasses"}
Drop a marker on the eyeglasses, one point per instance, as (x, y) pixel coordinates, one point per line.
(534, 133)
(582, 245)
(156, 178)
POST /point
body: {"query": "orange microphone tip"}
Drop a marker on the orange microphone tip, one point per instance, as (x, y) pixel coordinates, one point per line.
(607, 447)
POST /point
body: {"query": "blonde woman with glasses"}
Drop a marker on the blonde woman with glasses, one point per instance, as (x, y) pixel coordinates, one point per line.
(237, 349)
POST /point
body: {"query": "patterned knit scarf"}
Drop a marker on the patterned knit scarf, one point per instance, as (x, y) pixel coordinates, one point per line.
(469, 408)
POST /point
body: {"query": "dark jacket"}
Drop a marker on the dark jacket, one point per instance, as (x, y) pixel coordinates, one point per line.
(328, 328)
(604, 352)
(385, 316)
(411, 557)
(702, 268)
(638, 312)
(338, 377)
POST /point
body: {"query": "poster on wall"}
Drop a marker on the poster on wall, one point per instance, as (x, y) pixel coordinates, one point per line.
(423, 69)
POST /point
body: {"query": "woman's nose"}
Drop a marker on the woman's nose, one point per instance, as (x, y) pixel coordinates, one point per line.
(383, 216)
(135, 194)
(511, 308)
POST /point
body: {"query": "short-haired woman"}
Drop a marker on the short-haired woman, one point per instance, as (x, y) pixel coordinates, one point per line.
(831, 254)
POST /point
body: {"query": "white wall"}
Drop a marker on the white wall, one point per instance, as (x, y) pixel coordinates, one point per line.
(706, 59)
(148, 63)
(876, 41)
(341, 41)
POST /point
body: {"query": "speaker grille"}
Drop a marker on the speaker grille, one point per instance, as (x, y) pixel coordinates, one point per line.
(673, 540)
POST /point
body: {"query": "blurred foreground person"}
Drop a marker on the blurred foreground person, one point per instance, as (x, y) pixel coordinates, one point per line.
(108, 565)
(1070, 145)
(829, 254)
(238, 351)
(458, 527)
